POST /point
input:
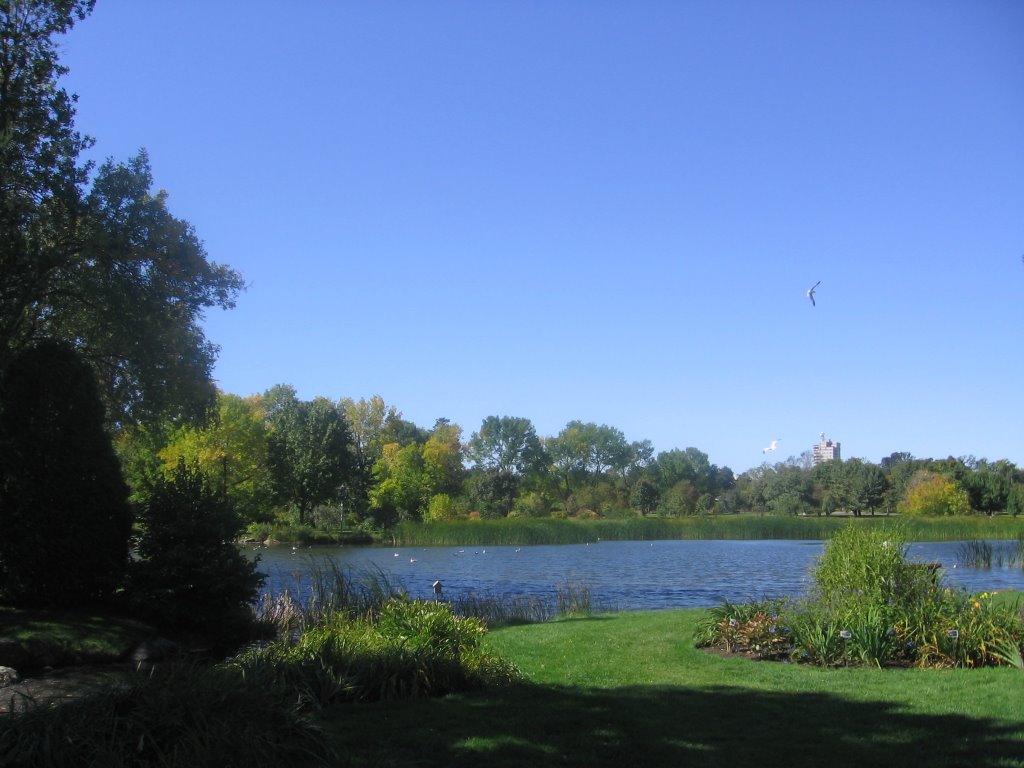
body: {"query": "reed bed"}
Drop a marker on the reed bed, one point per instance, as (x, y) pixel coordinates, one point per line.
(978, 553)
(533, 531)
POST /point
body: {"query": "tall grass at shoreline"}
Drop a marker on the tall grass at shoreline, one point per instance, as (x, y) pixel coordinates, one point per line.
(978, 553)
(335, 590)
(533, 531)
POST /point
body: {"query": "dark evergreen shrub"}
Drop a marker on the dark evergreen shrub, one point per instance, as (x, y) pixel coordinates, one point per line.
(64, 515)
(189, 573)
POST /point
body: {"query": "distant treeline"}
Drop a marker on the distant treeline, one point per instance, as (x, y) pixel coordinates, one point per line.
(359, 465)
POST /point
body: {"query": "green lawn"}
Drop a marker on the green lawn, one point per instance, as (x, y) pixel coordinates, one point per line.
(630, 690)
(58, 638)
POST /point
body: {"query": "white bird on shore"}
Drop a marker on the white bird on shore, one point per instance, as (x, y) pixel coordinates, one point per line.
(771, 447)
(810, 293)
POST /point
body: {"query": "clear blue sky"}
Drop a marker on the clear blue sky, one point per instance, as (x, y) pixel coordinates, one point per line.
(604, 211)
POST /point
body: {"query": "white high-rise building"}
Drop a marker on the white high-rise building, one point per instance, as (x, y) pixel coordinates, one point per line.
(826, 450)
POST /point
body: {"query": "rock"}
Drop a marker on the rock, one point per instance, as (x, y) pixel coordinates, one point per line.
(157, 649)
(8, 676)
(13, 654)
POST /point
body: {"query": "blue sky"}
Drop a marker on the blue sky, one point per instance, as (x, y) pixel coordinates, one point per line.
(603, 211)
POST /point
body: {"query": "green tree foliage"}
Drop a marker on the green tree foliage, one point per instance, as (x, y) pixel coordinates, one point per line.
(679, 500)
(644, 496)
(788, 490)
(231, 450)
(308, 451)
(868, 486)
(372, 424)
(1015, 500)
(138, 447)
(400, 490)
(988, 487)
(494, 493)
(442, 459)
(507, 444)
(64, 516)
(586, 452)
(531, 504)
(135, 295)
(691, 465)
(189, 572)
(110, 271)
(40, 179)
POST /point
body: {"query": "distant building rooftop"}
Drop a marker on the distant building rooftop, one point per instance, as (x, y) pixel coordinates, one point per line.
(826, 450)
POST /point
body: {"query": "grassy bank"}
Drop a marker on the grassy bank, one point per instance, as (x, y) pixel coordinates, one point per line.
(529, 531)
(630, 689)
(39, 638)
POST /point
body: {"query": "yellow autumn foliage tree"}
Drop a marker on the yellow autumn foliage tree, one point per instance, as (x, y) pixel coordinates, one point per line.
(932, 494)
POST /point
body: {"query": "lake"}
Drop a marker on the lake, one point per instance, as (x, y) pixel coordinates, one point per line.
(626, 575)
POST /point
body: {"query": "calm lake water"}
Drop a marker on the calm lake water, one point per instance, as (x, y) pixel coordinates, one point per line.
(627, 575)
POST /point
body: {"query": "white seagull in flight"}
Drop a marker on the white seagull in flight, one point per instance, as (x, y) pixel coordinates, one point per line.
(771, 447)
(810, 293)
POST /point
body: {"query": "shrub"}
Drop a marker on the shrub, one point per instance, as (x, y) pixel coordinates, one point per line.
(865, 567)
(870, 606)
(64, 511)
(190, 573)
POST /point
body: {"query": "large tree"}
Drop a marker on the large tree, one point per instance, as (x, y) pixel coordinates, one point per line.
(110, 270)
(309, 450)
(40, 177)
(588, 450)
(507, 444)
(134, 298)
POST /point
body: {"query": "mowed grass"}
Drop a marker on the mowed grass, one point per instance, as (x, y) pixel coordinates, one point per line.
(630, 689)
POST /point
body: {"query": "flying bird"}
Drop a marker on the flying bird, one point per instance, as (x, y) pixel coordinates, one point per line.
(810, 293)
(771, 447)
